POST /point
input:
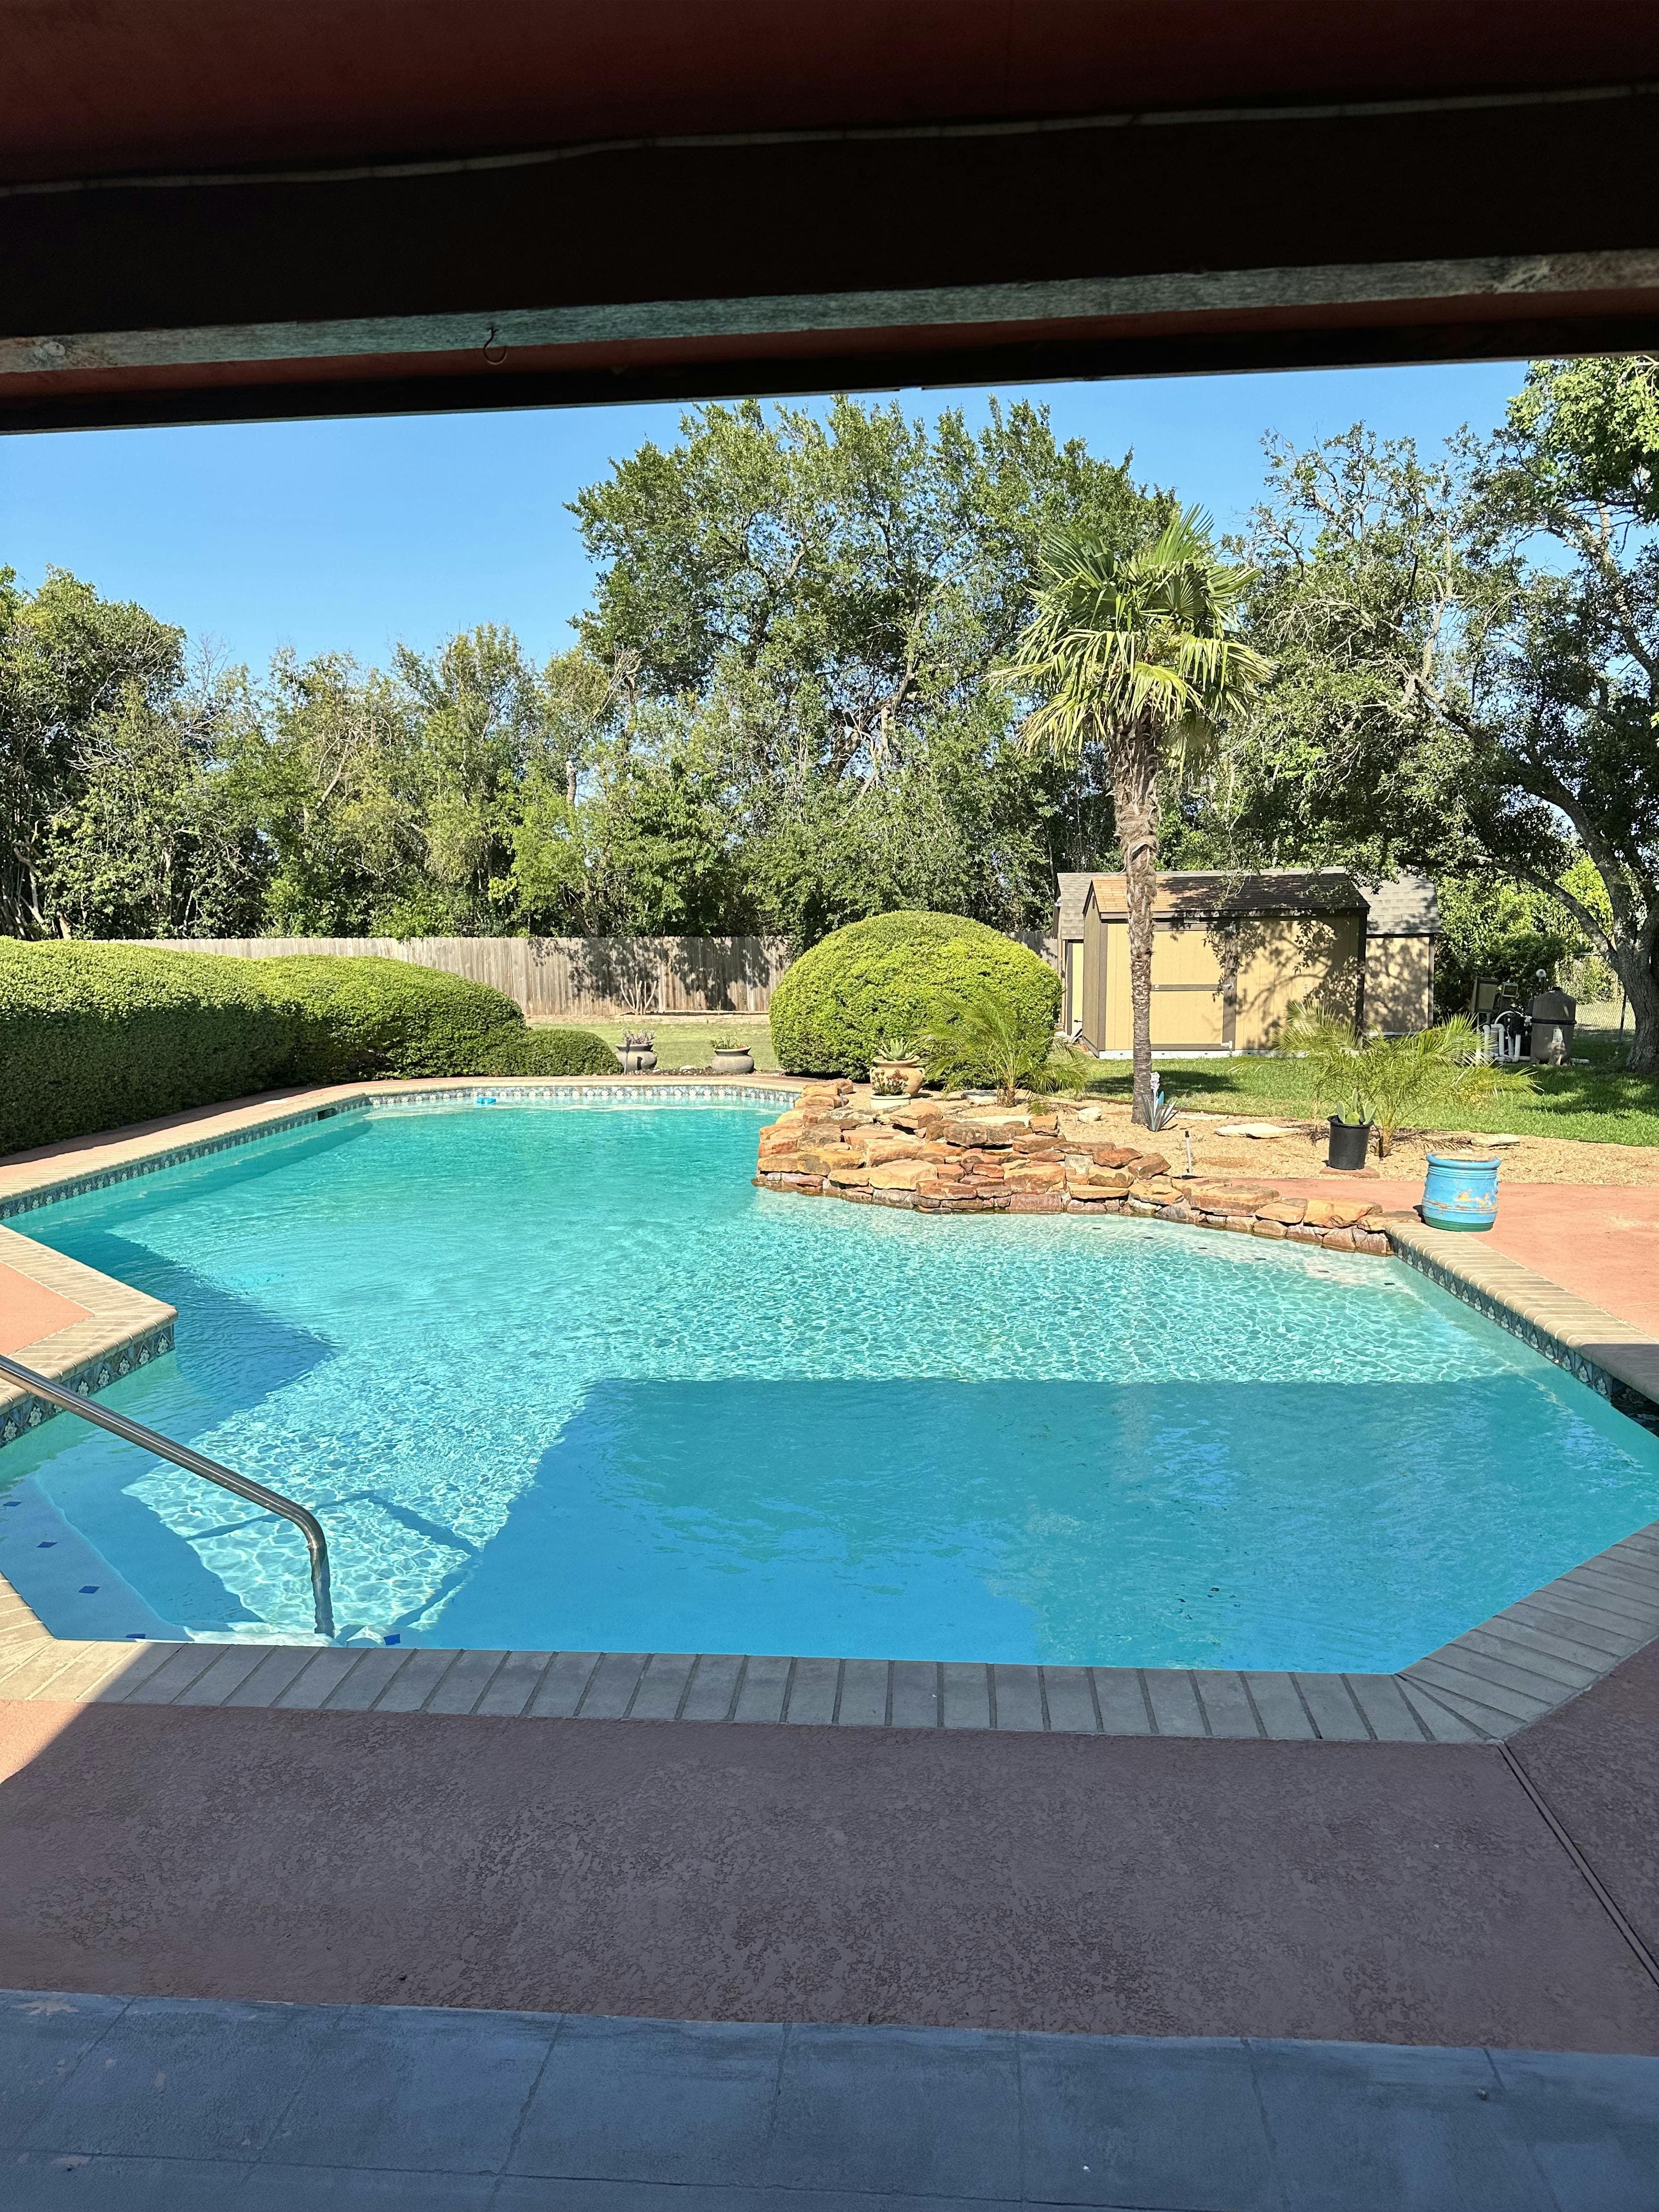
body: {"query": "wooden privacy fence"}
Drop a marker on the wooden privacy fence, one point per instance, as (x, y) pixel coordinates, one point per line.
(574, 978)
(577, 978)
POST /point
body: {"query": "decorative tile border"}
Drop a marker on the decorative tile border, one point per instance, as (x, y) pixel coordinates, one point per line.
(1615, 1357)
(124, 1329)
(607, 1093)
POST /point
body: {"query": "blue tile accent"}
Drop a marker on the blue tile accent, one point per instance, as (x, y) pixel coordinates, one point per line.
(1628, 1399)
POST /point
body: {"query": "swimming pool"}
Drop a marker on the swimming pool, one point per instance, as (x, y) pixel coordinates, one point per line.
(559, 1378)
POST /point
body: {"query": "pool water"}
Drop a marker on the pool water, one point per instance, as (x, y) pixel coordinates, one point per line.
(560, 1377)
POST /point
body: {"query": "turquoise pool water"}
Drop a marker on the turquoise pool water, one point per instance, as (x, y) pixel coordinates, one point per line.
(560, 1378)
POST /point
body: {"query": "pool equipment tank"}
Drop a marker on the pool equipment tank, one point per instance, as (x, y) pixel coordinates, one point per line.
(1554, 1017)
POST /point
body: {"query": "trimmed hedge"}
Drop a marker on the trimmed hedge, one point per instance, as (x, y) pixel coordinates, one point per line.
(94, 1036)
(355, 1017)
(551, 1052)
(878, 981)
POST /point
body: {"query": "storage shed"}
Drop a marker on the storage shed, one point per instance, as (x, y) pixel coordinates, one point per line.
(1231, 954)
(1402, 929)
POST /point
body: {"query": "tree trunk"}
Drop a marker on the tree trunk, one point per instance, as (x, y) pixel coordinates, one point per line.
(1134, 802)
(1641, 986)
(1632, 951)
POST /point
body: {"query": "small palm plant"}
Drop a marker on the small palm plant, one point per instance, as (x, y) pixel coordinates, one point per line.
(1387, 1080)
(978, 1033)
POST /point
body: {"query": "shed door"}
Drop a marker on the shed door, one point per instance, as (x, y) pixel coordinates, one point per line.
(1187, 989)
(1189, 1007)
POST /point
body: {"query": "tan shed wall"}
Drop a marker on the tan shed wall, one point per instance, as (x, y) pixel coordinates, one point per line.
(1286, 960)
(1276, 961)
(1400, 983)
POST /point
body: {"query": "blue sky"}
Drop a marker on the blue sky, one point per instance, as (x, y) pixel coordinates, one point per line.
(355, 534)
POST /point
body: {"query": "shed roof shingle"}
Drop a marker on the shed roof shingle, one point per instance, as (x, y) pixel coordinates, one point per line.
(1199, 893)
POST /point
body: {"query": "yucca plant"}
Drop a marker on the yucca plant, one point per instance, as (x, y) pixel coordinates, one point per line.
(1388, 1080)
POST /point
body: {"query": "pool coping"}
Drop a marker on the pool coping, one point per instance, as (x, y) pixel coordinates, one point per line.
(1484, 1686)
(122, 1328)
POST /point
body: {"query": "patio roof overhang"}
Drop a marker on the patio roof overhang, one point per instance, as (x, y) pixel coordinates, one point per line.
(220, 208)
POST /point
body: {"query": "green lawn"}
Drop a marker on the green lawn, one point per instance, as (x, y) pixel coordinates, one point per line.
(688, 1040)
(1599, 1104)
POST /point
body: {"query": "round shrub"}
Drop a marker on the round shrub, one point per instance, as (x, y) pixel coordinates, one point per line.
(549, 1052)
(92, 1036)
(888, 979)
(355, 1017)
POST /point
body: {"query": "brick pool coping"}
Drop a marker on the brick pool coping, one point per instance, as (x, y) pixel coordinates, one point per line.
(1484, 1686)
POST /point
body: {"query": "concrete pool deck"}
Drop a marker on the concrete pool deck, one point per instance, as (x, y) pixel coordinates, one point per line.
(1433, 1893)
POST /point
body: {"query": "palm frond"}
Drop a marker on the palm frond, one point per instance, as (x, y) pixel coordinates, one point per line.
(1142, 638)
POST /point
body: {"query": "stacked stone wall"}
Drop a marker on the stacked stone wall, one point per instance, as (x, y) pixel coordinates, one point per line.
(950, 1158)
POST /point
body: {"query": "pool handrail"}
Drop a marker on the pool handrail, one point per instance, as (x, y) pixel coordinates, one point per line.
(194, 1462)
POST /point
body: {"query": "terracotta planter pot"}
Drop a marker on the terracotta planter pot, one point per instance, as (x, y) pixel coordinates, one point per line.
(896, 1078)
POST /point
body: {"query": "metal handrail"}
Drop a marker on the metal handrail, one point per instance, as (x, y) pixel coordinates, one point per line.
(194, 1462)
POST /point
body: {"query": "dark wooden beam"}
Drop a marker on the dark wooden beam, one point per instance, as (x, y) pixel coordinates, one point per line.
(1430, 224)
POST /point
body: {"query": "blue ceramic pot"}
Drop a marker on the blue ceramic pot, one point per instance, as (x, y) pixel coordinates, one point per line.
(1460, 1194)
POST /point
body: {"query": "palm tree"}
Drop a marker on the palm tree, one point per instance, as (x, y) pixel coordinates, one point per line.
(1135, 652)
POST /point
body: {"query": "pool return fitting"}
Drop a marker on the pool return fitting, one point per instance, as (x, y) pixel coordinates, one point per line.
(194, 1462)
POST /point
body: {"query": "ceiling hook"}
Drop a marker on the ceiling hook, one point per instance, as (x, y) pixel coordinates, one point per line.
(494, 351)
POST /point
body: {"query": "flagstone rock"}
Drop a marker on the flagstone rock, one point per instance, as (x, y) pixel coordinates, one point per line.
(901, 1174)
(878, 1149)
(984, 1136)
(1336, 1212)
(920, 1157)
(1034, 1175)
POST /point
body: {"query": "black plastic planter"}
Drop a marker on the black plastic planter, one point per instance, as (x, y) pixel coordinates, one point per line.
(1351, 1141)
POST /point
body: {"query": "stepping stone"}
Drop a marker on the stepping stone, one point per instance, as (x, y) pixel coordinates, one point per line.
(1256, 1129)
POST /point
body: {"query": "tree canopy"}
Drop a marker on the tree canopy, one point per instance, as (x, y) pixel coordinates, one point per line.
(779, 713)
(1468, 657)
(775, 717)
